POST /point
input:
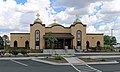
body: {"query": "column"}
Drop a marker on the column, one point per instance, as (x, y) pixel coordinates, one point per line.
(64, 43)
(72, 43)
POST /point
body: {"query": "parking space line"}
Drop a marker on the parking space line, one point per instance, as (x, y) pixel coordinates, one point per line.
(75, 67)
(19, 62)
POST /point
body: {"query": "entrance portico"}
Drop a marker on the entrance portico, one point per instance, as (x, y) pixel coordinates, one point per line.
(63, 40)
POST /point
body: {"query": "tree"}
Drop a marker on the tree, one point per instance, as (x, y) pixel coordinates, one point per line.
(108, 40)
(113, 41)
(5, 39)
(51, 40)
(1, 43)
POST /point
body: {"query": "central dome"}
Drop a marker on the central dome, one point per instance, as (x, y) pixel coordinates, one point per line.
(54, 24)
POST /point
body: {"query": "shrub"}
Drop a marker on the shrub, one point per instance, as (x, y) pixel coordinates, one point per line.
(108, 47)
(103, 60)
(47, 57)
(10, 51)
(23, 52)
(98, 48)
(36, 51)
(3, 52)
(15, 52)
(58, 57)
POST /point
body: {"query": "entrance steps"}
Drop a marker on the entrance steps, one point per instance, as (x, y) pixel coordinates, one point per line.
(59, 51)
(80, 65)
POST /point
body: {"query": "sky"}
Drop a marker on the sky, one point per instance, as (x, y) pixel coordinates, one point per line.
(100, 16)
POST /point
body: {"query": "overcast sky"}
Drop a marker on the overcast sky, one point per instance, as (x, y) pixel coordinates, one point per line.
(100, 16)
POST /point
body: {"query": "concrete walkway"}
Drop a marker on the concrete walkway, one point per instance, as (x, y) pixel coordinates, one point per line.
(80, 65)
(75, 61)
(58, 51)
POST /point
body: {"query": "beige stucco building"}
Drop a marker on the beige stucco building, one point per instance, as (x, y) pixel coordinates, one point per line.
(74, 36)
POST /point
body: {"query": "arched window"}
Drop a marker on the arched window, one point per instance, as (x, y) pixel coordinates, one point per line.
(87, 44)
(98, 43)
(79, 39)
(37, 39)
(26, 44)
(15, 43)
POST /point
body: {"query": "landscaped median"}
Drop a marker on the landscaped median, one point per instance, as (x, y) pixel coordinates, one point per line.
(54, 60)
(98, 61)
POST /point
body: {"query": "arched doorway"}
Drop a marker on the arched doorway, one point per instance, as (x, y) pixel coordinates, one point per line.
(15, 43)
(98, 43)
(87, 44)
(27, 44)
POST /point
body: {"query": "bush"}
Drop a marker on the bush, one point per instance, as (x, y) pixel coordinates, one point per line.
(98, 48)
(36, 51)
(15, 52)
(103, 60)
(3, 52)
(58, 57)
(108, 47)
(10, 51)
(23, 52)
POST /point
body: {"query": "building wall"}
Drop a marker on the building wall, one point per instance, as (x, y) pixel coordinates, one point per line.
(20, 38)
(74, 30)
(93, 38)
(57, 29)
(33, 28)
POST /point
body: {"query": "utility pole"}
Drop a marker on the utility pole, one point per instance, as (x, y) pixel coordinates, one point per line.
(111, 32)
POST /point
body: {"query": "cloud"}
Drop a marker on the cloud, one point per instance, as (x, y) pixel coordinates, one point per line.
(98, 15)
(17, 17)
(75, 3)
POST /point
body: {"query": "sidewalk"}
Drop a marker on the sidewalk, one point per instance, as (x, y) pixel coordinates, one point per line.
(74, 61)
(80, 65)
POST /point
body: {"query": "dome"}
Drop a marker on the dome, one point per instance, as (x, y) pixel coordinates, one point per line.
(54, 24)
(38, 20)
(77, 20)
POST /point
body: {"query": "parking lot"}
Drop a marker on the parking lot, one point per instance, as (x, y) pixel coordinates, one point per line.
(108, 67)
(31, 66)
(28, 65)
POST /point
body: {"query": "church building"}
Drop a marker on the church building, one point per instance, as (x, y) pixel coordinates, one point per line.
(74, 36)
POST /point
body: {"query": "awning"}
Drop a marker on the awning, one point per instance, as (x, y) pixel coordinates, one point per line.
(60, 35)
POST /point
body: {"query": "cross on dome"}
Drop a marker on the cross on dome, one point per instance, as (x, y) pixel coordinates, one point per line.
(37, 15)
(38, 20)
(54, 20)
(77, 20)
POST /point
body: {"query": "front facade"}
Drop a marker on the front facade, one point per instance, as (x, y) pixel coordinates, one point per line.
(74, 36)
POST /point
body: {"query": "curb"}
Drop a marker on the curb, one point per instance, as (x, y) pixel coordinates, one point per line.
(48, 62)
(99, 57)
(20, 58)
(113, 62)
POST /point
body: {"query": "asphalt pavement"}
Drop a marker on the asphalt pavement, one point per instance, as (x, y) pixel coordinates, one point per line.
(108, 67)
(32, 66)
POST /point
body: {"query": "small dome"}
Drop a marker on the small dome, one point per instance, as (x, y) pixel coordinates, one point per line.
(77, 20)
(38, 21)
(54, 24)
